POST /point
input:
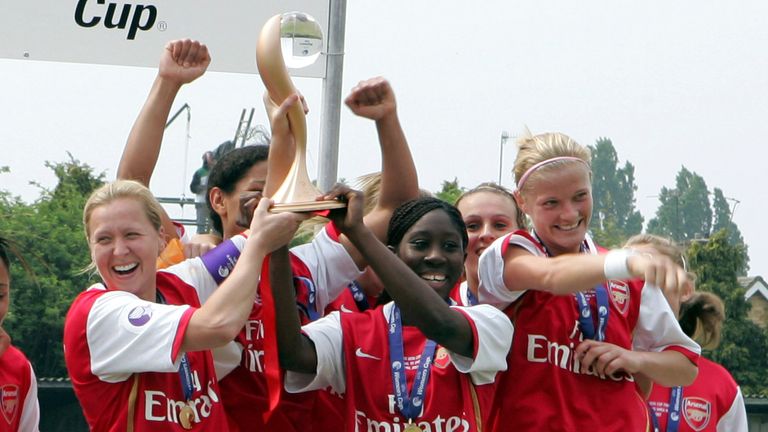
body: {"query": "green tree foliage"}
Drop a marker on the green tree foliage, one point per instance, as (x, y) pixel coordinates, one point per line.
(685, 212)
(50, 236)
(718, 262)
(723, 218)
(614, 216)
(450, 191)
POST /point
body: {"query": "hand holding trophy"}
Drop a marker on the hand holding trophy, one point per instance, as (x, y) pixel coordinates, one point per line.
(299, 36)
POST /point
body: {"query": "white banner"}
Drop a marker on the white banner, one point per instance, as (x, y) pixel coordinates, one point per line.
(133, 33)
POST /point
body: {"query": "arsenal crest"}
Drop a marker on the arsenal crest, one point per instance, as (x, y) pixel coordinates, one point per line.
(619, 291)
(9, 396)
(696, 412)
(441, 358)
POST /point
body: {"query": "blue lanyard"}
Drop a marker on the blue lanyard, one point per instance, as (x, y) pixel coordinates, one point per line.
(586, 323)
(471, 298)
(673, 414)
(410, 406)
(185, 373)
(361, 300)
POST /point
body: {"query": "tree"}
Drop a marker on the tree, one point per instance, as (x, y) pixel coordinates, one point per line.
(723, 218)
(50, 236)
(685, 212)
(451, 191)
(718, 262)
(614, 216)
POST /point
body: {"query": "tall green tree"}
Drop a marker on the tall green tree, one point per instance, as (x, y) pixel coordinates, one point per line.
(450, 191)
(50, 236)
(685, 212)
(723, 217)
(718, 262)
(614, 216)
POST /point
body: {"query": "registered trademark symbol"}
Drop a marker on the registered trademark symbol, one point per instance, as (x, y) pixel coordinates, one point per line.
(162, 26)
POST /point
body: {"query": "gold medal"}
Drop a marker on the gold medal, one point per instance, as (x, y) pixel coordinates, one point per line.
(412, 427)
(186, 416)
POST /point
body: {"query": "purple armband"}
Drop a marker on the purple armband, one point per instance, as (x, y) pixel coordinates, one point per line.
(221, 260)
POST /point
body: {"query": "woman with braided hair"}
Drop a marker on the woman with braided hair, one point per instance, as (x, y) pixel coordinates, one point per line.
(428, 354)
(713, 402)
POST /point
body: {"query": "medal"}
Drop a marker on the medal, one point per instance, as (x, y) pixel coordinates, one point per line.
(186, 416)
(412, 427)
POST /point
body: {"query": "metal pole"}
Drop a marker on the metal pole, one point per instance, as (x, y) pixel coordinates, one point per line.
(330, 115)
(504, 138)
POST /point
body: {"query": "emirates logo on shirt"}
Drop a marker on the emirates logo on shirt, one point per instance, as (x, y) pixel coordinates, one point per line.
(619, 295)
(9, 395)
(696, 412)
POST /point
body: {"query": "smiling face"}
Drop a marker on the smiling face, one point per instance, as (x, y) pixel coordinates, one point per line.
(559, 203)
(125, 246)
(488, 216)
(433, 249)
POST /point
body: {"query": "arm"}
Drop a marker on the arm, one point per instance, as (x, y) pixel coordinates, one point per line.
(182, 62)
(223, 315)
(569, 273)
(420, 305)
(375, 100)
(297, 352)
(668, 368)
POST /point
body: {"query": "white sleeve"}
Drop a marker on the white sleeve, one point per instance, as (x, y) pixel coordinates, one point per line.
(30, 412)
(657, 328)
(126, 334)
(226, 358)
(492, 289)
(494, 337)
(326, 334)
(194, 273)
(735, 420)
(330, 264)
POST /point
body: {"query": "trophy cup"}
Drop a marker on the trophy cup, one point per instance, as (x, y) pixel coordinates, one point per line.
(300, 36)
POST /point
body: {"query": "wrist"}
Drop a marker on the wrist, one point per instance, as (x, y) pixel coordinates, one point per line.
(616, 265)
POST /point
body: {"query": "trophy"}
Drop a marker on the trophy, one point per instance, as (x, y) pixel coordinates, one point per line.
(300, 37)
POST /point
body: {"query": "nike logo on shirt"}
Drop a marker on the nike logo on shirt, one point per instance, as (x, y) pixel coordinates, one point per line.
(359, 352)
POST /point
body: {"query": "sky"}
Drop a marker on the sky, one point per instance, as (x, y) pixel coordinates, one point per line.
(672, 84)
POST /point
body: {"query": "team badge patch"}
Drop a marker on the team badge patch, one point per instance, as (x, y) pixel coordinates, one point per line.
(697, 412)
(140, 315)
(441, 358)
(619, 295)
(9, 395)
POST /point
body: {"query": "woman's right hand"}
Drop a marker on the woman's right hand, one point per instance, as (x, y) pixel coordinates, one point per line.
(658, 270)
(348, 218)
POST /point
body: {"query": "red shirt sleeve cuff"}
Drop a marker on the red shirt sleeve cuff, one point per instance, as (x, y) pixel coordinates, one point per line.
(332, 231)
(690, 355)
(181, 331)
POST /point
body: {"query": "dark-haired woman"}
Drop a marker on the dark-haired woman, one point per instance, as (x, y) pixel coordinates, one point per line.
(428, 354)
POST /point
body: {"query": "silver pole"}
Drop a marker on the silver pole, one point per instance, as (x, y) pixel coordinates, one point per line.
(330, 115)
(504, 138)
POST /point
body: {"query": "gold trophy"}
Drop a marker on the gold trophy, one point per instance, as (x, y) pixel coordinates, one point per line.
(301, 34)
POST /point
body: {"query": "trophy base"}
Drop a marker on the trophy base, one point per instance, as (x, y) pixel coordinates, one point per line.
(307, 206)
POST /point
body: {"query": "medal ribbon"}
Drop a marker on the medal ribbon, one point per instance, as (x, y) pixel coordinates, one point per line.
(673, 414)
(185, 372)
(409, 405)
(586, 322)
(311, 308)
(361, 300)
(471, 298)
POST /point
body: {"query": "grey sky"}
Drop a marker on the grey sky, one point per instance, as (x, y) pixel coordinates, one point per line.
(671, 83)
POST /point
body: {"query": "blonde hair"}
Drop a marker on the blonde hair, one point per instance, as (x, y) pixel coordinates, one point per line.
(119, 189)
(500, 190)
(535, 149)
(662, 245)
